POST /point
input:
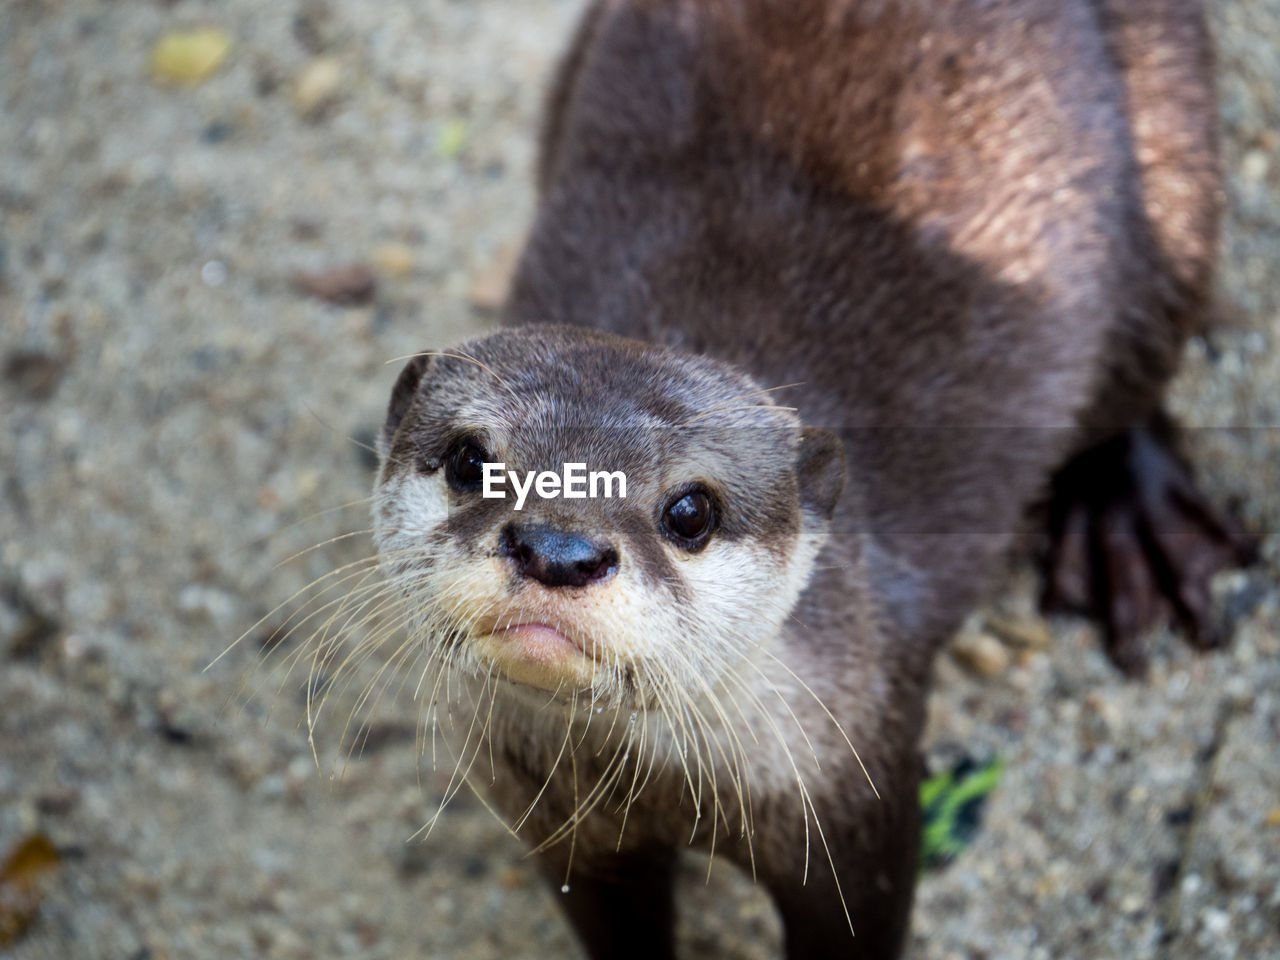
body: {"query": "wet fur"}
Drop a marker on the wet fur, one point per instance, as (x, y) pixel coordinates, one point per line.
(975, 234)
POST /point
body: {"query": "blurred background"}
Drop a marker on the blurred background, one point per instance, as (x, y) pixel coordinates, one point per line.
(218, 223)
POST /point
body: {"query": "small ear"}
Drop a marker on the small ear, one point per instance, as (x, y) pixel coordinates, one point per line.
(820, 470)
(402, 395)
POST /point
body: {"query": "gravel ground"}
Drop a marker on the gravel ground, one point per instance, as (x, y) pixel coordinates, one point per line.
(174, 406)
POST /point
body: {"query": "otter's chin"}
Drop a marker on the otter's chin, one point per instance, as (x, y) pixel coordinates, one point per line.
(538, 655)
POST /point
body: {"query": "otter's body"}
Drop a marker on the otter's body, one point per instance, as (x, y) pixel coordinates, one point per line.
(970, 237)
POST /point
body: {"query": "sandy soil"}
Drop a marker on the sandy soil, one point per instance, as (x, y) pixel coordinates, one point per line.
(173, 406)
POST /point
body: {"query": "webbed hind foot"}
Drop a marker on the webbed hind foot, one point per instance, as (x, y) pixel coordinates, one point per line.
(1134, 542)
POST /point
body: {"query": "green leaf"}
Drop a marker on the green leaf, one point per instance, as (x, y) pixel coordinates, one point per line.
(951, 804)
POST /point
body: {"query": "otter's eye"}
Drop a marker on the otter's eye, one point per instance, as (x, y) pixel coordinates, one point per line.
(464, 466)
(689, 519)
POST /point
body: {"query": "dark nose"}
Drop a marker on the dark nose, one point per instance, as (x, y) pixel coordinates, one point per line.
(557, 558)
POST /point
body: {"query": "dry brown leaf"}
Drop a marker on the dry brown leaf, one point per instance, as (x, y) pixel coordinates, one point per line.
(189, 56)
(350, 285)
(22, 879)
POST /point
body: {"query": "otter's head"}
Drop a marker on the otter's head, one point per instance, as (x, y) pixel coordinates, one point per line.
(575, 588)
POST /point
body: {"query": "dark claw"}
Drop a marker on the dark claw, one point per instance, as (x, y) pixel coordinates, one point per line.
(1130, 589)
(1068, 584)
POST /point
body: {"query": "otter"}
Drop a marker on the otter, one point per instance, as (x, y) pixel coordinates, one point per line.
(845, 289)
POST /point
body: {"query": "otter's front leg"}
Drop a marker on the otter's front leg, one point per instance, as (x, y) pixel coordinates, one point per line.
(875, 849)
(622, 907)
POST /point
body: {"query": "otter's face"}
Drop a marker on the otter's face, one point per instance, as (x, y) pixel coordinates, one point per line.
(627, 600)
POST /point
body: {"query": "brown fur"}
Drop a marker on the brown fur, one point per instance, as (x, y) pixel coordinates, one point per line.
(976, 234)
(962, 226)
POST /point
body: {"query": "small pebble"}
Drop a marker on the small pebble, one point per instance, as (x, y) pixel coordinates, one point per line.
(201, 602)
(35, 374)
(1021, 634)
(57, 801)
(512, 878)
(1215, 921)
(214, 273)
(307, 483)
(74, 647)
(1100, 719)
(305, 229)
(272, 785)
(317, 87)
(1255, 165)
(981, 653)
(488, 286)
(392, 259)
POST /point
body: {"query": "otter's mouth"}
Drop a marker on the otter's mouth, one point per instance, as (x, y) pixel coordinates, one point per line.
(538, 641)
(538, 654)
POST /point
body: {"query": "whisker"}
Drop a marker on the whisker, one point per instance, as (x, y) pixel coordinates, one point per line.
(259, 541)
